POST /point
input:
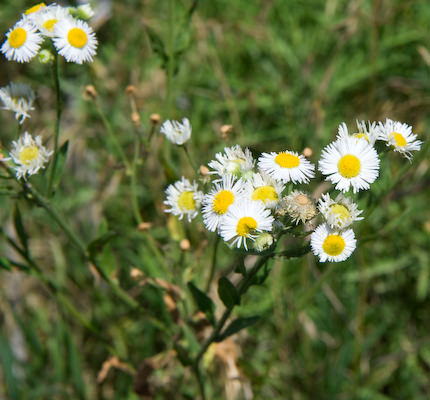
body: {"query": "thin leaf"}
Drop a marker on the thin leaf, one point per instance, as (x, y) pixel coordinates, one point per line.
(19, 228)
(228, 293)
(237, 325)
(203, 302)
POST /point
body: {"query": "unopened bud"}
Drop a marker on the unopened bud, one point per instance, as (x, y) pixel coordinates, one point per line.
(184, 245)
(130, 90)
(226, 130)
(90, 91)
(155, 119)
(135, 118)
(84, 12)
(263, 242)
(307, 152)
(136, 273)
(144, 226)
(45, 56)
(204, 170)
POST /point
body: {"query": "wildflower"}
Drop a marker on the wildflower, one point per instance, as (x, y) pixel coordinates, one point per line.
(18, 98)
(263, 241)
(299, 206)
(368, 133)
(184, 199)
(29, 155)
(399, 136)
(286, 166)
(75, 40)
(85, 12)
(234, 161)
(22, 43)
(34, 9)
(265, 189)
(339, 213)
(48, 17)
(350, 163)
(331, 245)
(244, 220)
(217, 202)
(176, 132)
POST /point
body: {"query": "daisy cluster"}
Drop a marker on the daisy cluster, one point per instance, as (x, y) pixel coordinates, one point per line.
(253, 201)
(71, 36)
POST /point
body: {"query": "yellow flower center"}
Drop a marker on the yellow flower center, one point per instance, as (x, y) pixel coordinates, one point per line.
(302, 199)
(245, 225)
(361, 136)
(399, 139)
(333, 245)
(77, 38)
(186, 201)
(222, 201)
(49, 24)
(287, 160)
(28, 154)
(340, 211)
(265, 194)
(17, 37)
(349, 166)
(35, 8)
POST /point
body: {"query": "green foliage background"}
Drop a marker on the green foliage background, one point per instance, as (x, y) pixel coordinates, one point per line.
(285, 74)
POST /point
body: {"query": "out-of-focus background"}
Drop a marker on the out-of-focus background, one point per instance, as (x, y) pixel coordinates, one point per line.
(285, 74)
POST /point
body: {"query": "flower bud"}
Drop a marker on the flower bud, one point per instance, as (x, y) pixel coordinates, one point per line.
(263, 242)
(45, 57)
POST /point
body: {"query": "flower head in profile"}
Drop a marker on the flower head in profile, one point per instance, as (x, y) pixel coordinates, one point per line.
(23, 42)
(30, 12)
(332, 245)
(75, 40)
(234, 161)
(216, 203)
(340, 212)
(400, 137)
(176, 132)
(349, 162)
(299, 206)
(368, 132)
(29, 155)
(244, 221)
(286, 166)
(265, 189)
(18, 98)
(184, 199)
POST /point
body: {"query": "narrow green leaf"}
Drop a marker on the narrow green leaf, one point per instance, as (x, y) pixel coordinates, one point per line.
(5, 264)
(97, 244)
(203, 302)
(240, 267)
(7, 362)
(19, 228)
(61, 161)
(237, 325)
(228, 293)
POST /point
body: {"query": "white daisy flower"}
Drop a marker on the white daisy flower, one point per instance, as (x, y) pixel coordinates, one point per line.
(47, 18)
(299, 206)
(217, 202)
(184, 199)
(18, 98)
(349, 162)
(22, 43)
(75, 40)
(286, 166)
(176, 132)
(244, 220)
(369, 132)
(331, 245)
(399, 136)
(29, 155)
(263, 188)
(233, 161)
(339, 213)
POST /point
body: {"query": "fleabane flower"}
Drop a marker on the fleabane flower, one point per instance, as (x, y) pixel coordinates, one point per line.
(216, 203)
(243, 221)
(75, 40)
(298, 205)
(263, 188)
(234, 161)
(349, 162)
(176, 132)
(23, 42)
(332, 245)
(47, 18)
(340, 212)
(18, 98)
(30, 12)
(400, 137)
(368, 132)
(286, 166)
(29, 155)
(184, 199)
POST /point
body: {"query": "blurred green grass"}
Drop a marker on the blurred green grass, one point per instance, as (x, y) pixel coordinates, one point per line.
(285, 74)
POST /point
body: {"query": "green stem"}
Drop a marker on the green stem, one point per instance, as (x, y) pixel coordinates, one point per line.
(189, 158)
(200, 382)
(170, 55)
(213, 264)
(59, 109)
(133, 186)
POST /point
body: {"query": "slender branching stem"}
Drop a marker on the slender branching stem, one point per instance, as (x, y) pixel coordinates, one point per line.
(213, 264)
